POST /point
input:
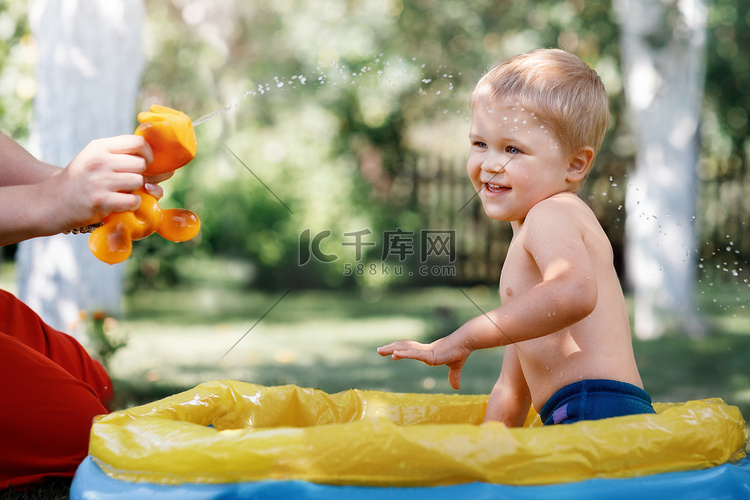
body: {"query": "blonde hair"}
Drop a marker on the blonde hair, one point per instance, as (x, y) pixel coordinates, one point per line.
(562, 91)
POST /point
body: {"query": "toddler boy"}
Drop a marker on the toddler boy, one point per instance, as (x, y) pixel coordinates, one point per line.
(538, 121)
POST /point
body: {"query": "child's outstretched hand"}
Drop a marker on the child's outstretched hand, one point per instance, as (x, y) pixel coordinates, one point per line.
(101, 180)
(441, 352)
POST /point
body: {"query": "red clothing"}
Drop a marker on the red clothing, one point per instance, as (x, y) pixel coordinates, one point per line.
(51, 390)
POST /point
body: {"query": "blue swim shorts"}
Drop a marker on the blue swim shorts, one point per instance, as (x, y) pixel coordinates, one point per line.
(594, 400)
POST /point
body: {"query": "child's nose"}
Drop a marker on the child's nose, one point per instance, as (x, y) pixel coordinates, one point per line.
(494, 164)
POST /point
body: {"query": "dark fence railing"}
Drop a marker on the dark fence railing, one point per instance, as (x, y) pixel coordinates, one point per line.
(444, 198)
(442, 195)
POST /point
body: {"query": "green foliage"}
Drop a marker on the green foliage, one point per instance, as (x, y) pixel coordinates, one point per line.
(17, 57)
(329, 103)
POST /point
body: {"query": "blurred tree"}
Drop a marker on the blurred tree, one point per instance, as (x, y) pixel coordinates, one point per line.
(87, 83)
(664, 47)
(724, 202)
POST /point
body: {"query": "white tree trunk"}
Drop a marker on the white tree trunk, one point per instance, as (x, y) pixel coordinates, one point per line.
(88, 77)
(663, 46)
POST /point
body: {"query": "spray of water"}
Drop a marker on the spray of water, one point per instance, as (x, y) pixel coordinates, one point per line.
(399, 74)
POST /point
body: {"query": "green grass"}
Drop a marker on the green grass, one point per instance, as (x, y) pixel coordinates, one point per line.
(316, 339)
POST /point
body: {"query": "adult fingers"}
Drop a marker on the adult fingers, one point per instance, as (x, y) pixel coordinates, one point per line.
(120, 202)
(129, 145)
(126, 182)
(156, 179)
(154, 190)
(127, 163)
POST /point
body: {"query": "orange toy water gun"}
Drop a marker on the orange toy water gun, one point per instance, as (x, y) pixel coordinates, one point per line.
(172, 139)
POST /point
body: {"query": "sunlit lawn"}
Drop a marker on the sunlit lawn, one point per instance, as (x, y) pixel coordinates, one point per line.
(322, 339)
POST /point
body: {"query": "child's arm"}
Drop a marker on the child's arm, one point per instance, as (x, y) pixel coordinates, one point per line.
(566, 294)
(98, 181)
(567, 291)
(510, 398)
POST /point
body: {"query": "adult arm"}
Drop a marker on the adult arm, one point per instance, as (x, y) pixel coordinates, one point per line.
(36, 201)
(18, 166)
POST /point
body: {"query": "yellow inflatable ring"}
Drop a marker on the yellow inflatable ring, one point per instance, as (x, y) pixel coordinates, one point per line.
(229, 432)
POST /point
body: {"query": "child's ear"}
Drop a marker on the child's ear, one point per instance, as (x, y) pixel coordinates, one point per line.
(580, 164)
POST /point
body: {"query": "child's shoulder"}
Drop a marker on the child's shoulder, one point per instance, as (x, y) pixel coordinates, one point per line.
(560, 208)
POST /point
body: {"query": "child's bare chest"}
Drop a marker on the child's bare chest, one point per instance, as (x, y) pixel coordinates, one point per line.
(519, 273)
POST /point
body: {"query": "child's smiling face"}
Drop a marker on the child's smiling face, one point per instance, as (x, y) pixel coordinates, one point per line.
(515, 161)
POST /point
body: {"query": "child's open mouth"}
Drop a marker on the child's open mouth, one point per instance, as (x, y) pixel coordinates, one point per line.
(495, 188)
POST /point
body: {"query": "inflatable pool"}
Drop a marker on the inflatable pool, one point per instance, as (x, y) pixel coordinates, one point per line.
(229, 439)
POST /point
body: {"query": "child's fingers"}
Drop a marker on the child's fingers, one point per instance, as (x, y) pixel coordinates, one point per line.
(400, 346)
(418, 354)
(387, 350)
(454, 376)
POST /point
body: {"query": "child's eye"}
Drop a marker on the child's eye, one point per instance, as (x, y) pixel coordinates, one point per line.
(479, 144)
(512, 150)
